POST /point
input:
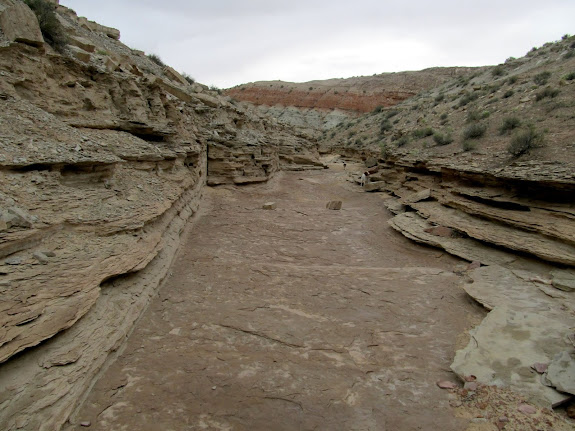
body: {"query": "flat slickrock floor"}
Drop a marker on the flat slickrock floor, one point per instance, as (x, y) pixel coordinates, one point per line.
(298, 318)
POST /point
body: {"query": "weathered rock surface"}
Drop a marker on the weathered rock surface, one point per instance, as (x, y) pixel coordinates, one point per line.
(19, 23)
(561, 372)
(526, 326)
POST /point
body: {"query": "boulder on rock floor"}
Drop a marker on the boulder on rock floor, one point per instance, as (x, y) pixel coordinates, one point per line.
(334, 205)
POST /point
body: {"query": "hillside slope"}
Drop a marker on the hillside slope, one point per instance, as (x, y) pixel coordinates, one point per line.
(320, 105)
(484, 168)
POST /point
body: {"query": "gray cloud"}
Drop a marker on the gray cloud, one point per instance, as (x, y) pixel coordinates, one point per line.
(226, 42)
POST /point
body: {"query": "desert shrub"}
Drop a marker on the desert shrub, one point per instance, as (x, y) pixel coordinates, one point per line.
(498, 71)
(216, 89)
(385, 151)
(156, 59)
(474, 131)
(385, 126)
(188, 78)
(542, 78)
(569, 54)
(524, 141)
(469, 145)
(546, 92)
(51, 28)
(443, 116)
(441, 139)
(391, 113)
(508, 94)
(570, 76)
(377, 109)
(439, 97)
(467, 98)
(404, 140)
(422, 133)
(512, 80)
(473, 116)
(508, 124)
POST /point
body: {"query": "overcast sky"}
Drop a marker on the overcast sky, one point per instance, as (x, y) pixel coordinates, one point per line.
(230, 42)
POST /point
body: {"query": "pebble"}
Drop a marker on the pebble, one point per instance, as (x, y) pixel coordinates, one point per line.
(446, 384)
(85, 424)
(539, 367)
(470, 386)
(41, 257)
(527, 409)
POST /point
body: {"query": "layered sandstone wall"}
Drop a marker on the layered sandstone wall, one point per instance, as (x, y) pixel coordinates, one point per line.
(103, 160)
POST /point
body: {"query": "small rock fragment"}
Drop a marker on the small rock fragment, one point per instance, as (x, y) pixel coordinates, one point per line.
(473, 265)
(446, 384)
(85, 424)
(470, 386)
(13, 261)
(49, 253)
(41, 257)
(269, 206)
(539, 367)
(334, 205)
(527, 409)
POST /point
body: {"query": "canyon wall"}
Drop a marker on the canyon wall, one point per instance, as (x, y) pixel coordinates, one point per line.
(104, 157)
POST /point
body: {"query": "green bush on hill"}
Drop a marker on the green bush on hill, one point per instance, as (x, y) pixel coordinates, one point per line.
(524, 141)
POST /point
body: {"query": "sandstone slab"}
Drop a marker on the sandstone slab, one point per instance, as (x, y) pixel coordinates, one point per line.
(19, 24)
(413, 227)
(376, 186)
(82, 43)
(525, 327)
(561, 372)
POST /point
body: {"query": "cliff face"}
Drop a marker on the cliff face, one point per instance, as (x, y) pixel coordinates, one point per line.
(301, 104)
(103, 160)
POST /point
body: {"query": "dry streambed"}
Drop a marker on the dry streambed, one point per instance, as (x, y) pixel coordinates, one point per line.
(295, 318)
